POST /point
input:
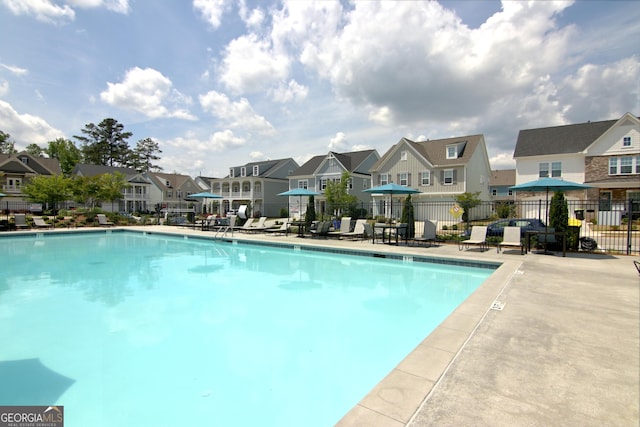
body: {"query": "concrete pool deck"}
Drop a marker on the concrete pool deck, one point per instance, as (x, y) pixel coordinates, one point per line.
(564, 349)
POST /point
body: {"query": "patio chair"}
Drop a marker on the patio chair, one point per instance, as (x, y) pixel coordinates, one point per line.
(478, 238)
(103, 221)
(244, 226)
(511, 238)
(258, 226)
(345, 227)
(20, 221)
(637, 264)
(39, 223)
(358, 230)
(322, 230)
(428, 233)
(283, 229)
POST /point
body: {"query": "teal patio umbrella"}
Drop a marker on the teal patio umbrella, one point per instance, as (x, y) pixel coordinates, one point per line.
(204, 195)
(391, 189)
(300, 192)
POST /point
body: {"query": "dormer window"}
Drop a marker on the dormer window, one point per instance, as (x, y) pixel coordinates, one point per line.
(231, 173)
(452, 151)
(24, 159)
(167, 183)
(626, 141)
(256, 170)
(243, 171)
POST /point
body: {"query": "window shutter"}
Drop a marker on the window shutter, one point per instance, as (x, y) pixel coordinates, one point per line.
(398, 178)
(379, 179)
(441, 177)
(455, 176)
(409, 179)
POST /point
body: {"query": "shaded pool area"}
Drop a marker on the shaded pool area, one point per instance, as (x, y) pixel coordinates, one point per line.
(213, 330)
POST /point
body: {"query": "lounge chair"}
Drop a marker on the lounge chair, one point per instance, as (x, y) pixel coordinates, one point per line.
(39, 223)
(478, 238)
(20, 221)
(322, 229)
(512, 237)
(428, 233)
(283, 229)
(368, 231)
(637, 264)
(258, 226)
(244, 226)
(103, 222)
(223, 225)
(358, 230)
(345, 227)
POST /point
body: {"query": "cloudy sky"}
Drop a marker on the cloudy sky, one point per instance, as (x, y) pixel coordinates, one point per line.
(220, 83)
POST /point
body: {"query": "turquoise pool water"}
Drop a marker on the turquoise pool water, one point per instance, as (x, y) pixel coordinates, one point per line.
(152, 330)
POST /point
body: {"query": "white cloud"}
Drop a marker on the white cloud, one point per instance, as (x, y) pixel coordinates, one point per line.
(257, 156)
(43, 10)
(600, 92)
(293, 91)
(4, 87)
(149, 92)
(502, 161)
(211, 11)
(251, 65)
(237, 115)
(338, 143)
(118, 6)
(26, 129)
(18, 71)
(252, 18)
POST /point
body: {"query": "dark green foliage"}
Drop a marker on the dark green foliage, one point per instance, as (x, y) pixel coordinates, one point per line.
(467, 201)
(408, 217)
(559, 212)
(105, 144)
(310, 214)
(505, 209)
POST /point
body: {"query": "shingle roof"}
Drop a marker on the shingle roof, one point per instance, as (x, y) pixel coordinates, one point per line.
(264, 167)
(93, 170)
(559, 139)
(435, 152)
(503, 177)
(351, 161)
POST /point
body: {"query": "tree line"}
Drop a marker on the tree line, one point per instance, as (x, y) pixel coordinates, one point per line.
(104, 144)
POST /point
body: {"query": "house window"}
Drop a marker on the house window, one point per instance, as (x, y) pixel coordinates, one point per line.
(624, 165)
(556, 169)
(543, 169)
(350, 183)
(384, 178)
(303, 183)
(510, 192)
(403, 178)
(169, 194)
(243, 171)
(448, 177)
(323, 184)
(494, 192)
(24, 159)
(256, 171)
(425, 178)
(231, 173)
(452, 152)
(626, 141)
(403, 155)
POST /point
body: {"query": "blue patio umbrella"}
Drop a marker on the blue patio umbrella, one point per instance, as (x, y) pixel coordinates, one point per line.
(391, 189)
(546, 184)
(301, 192)
(204, 195)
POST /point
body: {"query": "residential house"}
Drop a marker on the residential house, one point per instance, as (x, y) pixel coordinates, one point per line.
(499, 183)
(255, 185)
(440, 169)
(604, 154)
(15, 172)
(136, 197)
(170, 192)
(320, 170)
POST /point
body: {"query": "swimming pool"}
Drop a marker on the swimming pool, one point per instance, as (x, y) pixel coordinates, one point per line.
(146, 329)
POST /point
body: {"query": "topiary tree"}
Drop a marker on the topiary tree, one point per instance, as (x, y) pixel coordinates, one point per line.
(310, 214)
(408, 217)
(559, 212)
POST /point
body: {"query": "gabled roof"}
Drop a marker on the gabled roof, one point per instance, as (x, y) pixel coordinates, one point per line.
(351, 162)
(266, 168)
(566, 139)
(38, 165)
(501, 178)
(175, 180)
(93, 170)
(435, 151)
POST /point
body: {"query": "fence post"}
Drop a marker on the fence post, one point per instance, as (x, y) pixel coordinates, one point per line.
(629, 224)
